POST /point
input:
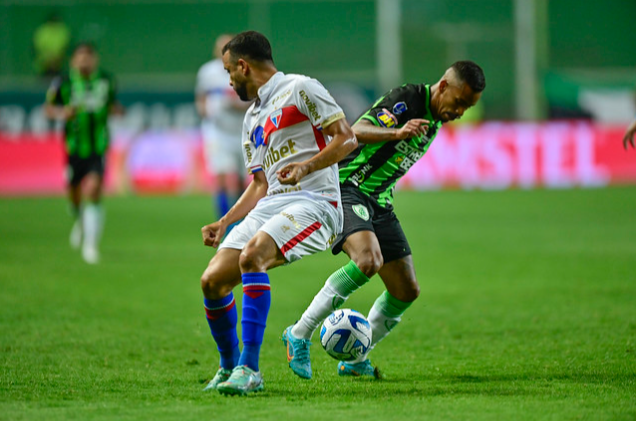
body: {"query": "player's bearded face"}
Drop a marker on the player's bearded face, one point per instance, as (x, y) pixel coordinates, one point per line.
(238, 81)
(241, 90)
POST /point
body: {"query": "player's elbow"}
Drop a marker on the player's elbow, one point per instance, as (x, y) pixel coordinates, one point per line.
(49, 111)
(351, 141)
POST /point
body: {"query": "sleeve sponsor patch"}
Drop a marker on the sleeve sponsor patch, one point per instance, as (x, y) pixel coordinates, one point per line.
(399, 108)
(386, 119)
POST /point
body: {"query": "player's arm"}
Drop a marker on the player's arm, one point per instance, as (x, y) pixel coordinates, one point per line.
(59, 112)
(367, 132)
(200, 104)
(257, 189)
(343, 142)
(628, 139)
(54, 107)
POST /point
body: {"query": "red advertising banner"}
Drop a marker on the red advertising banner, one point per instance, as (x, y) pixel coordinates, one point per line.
(492, 155)
(499, 155)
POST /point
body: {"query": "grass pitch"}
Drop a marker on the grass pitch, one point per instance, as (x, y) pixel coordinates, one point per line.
(527, 312)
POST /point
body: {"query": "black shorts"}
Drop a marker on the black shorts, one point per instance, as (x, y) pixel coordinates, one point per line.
(78, 168)
(361, 213)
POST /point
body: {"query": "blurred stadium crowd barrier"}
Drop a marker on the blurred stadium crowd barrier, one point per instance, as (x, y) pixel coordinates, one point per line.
(491, 155)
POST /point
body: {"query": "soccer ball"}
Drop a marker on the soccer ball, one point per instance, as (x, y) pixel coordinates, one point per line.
(346, 335)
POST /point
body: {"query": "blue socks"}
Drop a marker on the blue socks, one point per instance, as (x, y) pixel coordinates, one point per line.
(222, 203)
(222, 318)
(256, 300)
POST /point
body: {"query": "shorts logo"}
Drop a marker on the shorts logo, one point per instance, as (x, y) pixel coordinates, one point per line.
(361, 211)
(399, 108)
(275, 117)
(386, 119)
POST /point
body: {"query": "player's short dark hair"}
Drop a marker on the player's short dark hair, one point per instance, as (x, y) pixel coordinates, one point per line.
(85, 45)
(469, 72)
(251, 45)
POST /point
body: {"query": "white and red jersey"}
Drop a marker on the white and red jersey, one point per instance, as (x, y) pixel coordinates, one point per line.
(214, 82)
(284, 125)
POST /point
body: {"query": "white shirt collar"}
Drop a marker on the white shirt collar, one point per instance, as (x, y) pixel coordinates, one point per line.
(265, 91)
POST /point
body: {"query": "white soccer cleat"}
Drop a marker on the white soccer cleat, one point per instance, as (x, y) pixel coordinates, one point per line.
(75, 239)
(90, 255)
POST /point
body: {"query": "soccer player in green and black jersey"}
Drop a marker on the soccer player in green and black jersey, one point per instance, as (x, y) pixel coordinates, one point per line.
(393, 134)
(83, 99)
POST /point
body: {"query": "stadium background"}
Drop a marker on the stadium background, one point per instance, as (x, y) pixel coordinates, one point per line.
(567, 61)
(527, 307)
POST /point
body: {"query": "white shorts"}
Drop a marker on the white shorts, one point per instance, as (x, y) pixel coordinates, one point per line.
(300, 225)
(223, 154)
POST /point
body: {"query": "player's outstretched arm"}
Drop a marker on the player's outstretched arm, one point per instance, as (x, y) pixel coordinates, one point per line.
(367, 132)
(628, 139)
(59, 112)
(343, 142)
(214, 232)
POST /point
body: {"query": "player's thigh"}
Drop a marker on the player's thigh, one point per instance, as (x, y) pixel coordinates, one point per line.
(303, 227)
(260, 254)
(391, 237)
(222, 274)
(400, 279)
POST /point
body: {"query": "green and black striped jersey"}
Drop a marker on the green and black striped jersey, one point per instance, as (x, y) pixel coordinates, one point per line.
(376, 168)
(86, 134)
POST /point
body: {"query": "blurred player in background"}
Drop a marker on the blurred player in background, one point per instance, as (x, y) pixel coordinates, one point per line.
(222, 114)
(50, 45)
(393, 134)
(293, 136)
(628, 139)
(83, 99)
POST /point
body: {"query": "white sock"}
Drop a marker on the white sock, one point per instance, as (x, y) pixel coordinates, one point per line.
(384, 315)
(93, 220)
(337, 289)
(381, 325)
(324, 303)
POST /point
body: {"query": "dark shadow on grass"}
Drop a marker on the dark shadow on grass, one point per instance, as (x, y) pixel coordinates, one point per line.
(446, 385)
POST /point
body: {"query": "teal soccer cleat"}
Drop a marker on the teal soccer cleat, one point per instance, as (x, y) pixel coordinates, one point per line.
(297, 354)
(364, 368)
(222, 375)
(243, 381)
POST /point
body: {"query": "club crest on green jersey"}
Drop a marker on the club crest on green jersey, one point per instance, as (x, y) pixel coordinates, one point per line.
(361, 211)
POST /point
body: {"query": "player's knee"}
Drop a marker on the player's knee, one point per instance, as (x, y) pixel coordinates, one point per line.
(250, 260)
(212, 286)
(413, 292)
(370, 262)
(409, 292)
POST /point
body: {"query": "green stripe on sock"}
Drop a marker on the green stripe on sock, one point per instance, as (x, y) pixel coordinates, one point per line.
(348, 279)
(391, 306)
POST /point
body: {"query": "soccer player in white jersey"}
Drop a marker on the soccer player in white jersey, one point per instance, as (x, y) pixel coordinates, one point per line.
(222, 114)
(293, 136)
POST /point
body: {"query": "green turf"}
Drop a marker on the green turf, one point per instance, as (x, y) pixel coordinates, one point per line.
(527, 311)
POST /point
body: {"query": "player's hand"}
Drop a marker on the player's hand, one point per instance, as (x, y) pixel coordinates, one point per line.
(213, 233)
(292, 173)
(68, 112)
(628, 139)
(413, 128)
